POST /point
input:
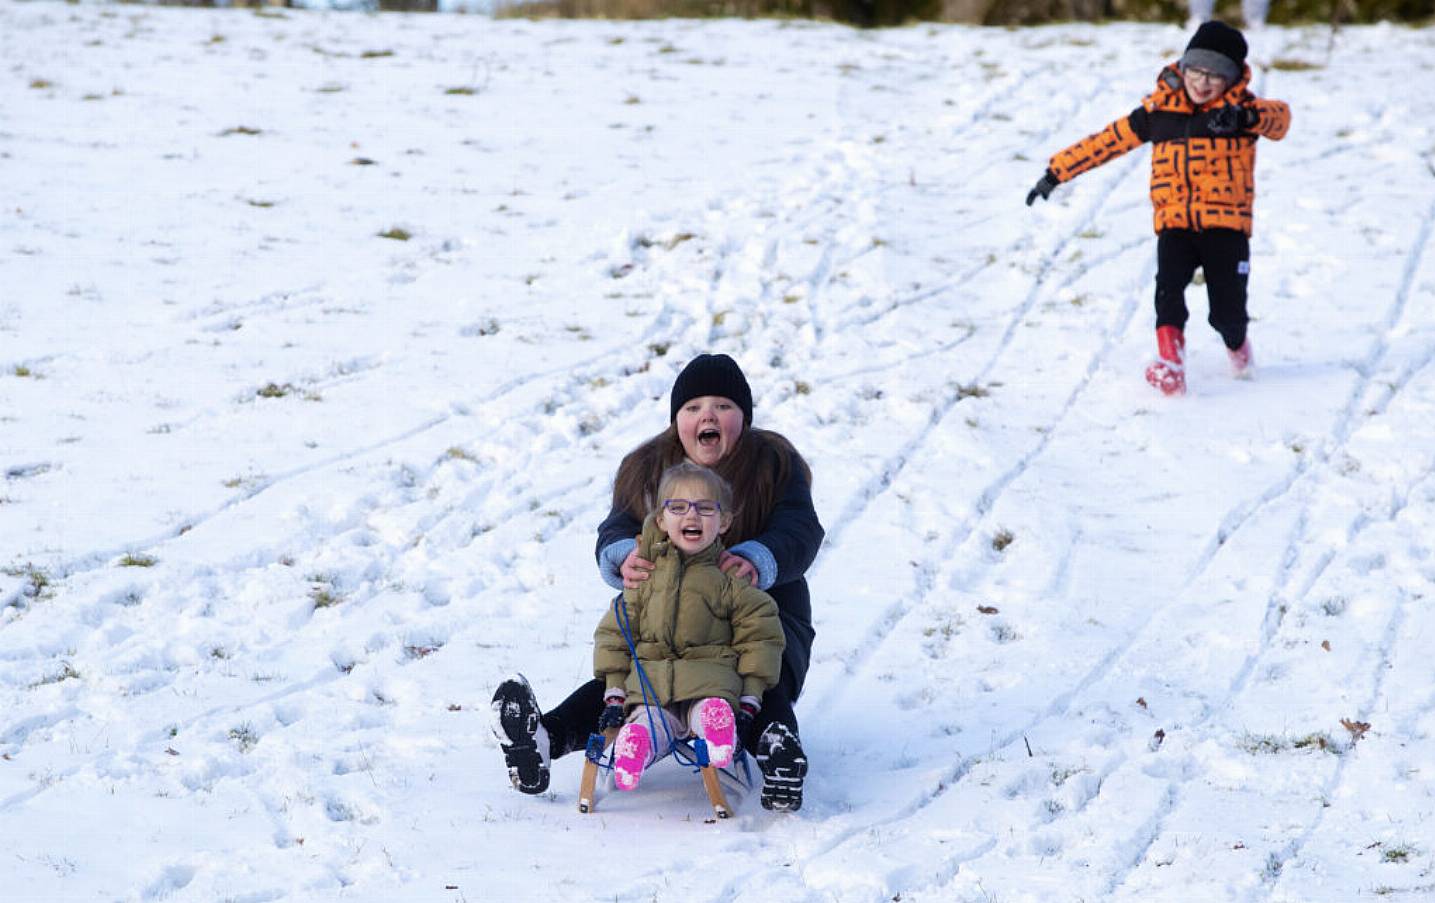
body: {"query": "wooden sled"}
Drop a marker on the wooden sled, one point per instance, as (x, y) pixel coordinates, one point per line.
(738, 775)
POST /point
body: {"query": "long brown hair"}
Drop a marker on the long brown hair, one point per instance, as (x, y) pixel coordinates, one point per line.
(757, 468)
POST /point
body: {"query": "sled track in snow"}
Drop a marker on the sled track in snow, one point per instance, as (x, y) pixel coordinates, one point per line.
(1346, 423)
(897, 463)
(1277, 861)
(1231, 524)
(608, 362)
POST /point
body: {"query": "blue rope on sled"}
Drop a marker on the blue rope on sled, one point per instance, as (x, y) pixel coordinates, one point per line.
(650, 696)
(699, 747)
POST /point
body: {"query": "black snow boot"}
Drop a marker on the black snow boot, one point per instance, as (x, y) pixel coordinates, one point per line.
(521, 735)
(783, 766)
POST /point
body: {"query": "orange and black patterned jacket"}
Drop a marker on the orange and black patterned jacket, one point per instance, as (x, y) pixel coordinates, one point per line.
(1198, 180)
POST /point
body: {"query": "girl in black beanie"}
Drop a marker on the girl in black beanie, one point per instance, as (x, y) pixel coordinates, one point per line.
(775, 536)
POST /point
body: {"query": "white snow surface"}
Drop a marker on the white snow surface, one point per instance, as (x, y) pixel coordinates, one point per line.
(284, 500)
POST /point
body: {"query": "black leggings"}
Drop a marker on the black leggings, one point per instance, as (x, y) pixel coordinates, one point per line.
(573, 719)
(1224, 255)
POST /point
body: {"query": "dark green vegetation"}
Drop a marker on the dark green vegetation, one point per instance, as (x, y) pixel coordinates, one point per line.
(874, 13)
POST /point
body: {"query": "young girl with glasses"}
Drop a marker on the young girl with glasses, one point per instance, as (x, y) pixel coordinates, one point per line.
(708, 642)
(1202, 121)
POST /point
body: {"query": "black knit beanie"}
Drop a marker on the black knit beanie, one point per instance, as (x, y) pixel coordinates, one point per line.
(1218, 47)
(712, 374)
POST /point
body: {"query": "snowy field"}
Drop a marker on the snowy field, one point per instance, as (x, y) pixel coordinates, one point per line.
(283, 499)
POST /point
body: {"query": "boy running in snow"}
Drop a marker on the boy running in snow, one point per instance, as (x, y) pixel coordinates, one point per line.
(1202, 121)
(709, 643)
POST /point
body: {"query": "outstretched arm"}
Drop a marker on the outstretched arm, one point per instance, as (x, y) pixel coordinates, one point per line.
(1125, 134)
(1090, 152)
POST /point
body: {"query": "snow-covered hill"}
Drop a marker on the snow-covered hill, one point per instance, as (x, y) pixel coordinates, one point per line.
(284, 498)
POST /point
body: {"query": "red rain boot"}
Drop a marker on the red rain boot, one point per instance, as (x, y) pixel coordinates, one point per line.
(1168, 371)
(1242, 363)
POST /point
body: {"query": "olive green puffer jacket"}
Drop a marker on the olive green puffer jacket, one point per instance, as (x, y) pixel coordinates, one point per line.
(698, 631)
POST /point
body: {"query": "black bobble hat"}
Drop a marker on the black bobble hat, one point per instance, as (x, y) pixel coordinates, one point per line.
(1218, 47)
(712, 374)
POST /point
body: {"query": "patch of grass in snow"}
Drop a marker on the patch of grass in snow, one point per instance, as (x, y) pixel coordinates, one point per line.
(1004, 633)
(137, 560)
(1002, 538)
(1421, 892)
(274, 390)
(939, 635)
(396, 233)
(375, 54)
(241, 130)
(1060, 775)
(325, 597)
(1289, 64)
(1399, 854)
(461, 91)
(481, 328)
(972, 391)
(1274, 744)
(23, 372)
(244, 736)
(66, 672)
(1272, 872)
(37, 582)
(40, 84)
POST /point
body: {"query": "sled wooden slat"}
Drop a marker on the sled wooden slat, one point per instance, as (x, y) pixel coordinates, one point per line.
(588, 786)
(715, 795)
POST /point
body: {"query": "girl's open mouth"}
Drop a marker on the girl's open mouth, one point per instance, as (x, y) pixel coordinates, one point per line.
(709, 436)
(693, 532)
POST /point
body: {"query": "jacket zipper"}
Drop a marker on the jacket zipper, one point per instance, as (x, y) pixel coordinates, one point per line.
(677, 596)
(1190, 189)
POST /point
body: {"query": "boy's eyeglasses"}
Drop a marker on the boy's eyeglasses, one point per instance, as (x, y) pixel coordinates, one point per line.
(1205, 76)
(679, 507)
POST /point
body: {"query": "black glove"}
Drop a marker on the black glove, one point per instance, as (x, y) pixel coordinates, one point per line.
(746, 714)
(1043, 187)
(612, 716)
(1230, 119)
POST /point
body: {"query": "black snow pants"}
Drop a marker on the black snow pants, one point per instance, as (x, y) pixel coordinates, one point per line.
(1224, 255)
